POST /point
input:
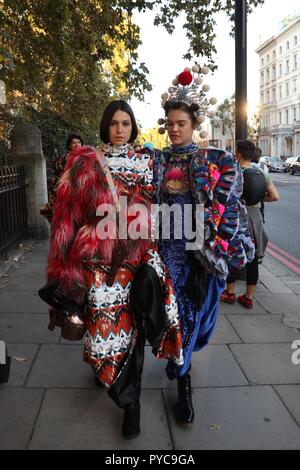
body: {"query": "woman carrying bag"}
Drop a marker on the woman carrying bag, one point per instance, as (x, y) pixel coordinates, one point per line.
(113, 285)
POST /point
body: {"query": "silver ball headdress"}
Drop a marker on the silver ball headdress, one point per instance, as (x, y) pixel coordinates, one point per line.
(186, 88)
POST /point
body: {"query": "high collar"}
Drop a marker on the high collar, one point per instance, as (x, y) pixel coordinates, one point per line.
(115, 150)
(191, 147)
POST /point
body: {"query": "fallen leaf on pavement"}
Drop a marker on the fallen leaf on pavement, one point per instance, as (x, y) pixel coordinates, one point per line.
(20, 359)
(215, 427)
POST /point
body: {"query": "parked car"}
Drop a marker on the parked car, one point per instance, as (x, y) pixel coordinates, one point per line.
(273, 163)
(289, 162)
(295, 167)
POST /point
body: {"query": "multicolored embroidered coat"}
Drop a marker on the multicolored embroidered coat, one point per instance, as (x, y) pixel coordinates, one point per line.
(189, 176)
(79, 257)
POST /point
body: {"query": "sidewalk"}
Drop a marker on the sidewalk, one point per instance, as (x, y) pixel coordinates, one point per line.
(246, 388)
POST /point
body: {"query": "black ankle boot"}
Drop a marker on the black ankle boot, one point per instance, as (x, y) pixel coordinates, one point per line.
(186, 409)
(131, 423)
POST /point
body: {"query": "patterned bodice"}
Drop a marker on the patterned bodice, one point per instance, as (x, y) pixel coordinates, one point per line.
(128, 168)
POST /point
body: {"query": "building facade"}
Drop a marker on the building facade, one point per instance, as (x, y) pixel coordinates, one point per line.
(279, 59)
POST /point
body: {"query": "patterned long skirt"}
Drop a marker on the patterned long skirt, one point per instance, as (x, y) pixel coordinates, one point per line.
(111, 327)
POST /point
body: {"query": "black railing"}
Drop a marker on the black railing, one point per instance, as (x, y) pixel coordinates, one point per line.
(13, 212)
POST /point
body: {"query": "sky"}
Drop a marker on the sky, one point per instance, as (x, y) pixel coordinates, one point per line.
(163, 53)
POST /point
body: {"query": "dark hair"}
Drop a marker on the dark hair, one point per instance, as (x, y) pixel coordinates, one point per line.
(257, 155)
(111, 108)
(246, 148)
(71, 137)
(189, 109)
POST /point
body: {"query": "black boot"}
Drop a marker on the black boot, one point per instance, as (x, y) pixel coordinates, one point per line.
(131, 423)
(186, 409)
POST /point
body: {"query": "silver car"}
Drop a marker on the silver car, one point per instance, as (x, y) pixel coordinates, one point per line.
(273, 163)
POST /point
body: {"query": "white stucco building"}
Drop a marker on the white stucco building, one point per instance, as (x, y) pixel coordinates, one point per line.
(279, 59)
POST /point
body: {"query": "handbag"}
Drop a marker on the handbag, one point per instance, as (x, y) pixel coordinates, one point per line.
(67, 311)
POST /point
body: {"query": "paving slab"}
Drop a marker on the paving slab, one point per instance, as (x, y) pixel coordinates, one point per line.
(27, 328)
(61, 366)
(272, 282)
(214, 366)
(293, 284)
(224, 333)
(19, 409)
(290, 394)
(25, 282)
(262, 329)
(279, 303)
(241, 418)
(21, 302)
(22, 356)
(292, 320)
(227, 309)
(86, 419)
(274, 266)
(267, 364)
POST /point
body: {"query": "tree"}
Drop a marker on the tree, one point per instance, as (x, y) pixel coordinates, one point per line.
(200, 21)
(226, 112)
(152, 135)
(254, 128)
(62, 61)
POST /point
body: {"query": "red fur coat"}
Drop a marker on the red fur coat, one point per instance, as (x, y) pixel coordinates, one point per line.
(82, 189)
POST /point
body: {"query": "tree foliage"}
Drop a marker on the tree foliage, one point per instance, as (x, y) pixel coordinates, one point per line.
(63, 60)
(151, 135)
(200, 21)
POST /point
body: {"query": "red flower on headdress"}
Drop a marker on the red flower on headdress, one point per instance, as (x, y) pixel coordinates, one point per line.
(185, 78)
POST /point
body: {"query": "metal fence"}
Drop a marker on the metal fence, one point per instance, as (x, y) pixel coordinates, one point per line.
(13, 212)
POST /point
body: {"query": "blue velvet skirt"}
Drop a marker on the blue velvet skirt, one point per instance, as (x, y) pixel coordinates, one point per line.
(197, 325)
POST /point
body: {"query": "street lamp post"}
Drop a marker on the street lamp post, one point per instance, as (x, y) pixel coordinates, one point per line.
(241, 128)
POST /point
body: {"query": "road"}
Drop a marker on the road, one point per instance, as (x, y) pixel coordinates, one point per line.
(283, 219)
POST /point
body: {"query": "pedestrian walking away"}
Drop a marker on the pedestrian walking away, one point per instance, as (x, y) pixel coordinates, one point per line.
(260, 188)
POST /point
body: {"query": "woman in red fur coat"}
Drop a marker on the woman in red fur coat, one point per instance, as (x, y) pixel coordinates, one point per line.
(118, 281)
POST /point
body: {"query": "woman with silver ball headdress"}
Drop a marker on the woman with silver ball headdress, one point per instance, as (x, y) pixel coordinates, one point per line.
(186, 176)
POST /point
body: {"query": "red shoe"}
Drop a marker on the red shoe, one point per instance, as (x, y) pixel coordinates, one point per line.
(245, 302)
(228, 298)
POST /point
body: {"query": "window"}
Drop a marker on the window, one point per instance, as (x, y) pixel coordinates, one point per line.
(294, 87)
(287, 89)
(280, 92)
(280, 70)
(287, 116)
(295, 40)
(295, 62)
(287, 68)
(262, 78)
(268, 76)
(287, 46)
(274, 54)
(273, 72)
(268, 58)
(274, 94)
(280, 117)
(262, 62)
(295, 114)
(262, 98)
(268, 97)
(280, 50)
